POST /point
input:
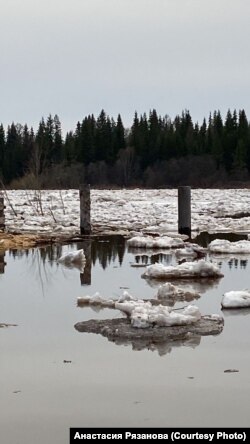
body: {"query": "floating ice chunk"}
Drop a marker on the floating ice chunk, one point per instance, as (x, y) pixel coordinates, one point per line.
(74, 259)
(166, 290)
(225, 246)
(139, 320)
(214, 316)
(170, 293)
(95, 300)
(190, 250)
(77, 256)
(87, 299)
(144, 315)
(236, 299)
(185, 252)
(200, 269)
(126, 297)
(128, 307)
(155, 242)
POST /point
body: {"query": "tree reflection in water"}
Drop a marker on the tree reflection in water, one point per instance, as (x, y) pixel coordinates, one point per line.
(43, 260)
(2, 262)
(105, 250)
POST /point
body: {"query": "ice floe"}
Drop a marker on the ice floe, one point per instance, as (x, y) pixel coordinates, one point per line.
(155, 338)
(154, 242)
(167, 295)
(186, 270)
(144, 315)
(190, 251)
(95, 300)
(225, 246)
(170, 293)
(236, 299)
(73, 259)
(159, 322)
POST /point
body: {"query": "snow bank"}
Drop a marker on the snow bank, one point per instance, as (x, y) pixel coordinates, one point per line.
(236, 299)
(225, 246)
(187, 270)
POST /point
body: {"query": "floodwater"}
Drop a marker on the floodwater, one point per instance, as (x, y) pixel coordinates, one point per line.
(53, 377)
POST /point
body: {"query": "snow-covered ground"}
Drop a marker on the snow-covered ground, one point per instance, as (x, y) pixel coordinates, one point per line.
(129, 210)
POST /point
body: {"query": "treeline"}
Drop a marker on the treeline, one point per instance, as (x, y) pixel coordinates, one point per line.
(155, 152)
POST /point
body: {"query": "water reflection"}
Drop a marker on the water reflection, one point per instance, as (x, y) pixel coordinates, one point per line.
(42, 261)
(244, 311)
(104, 249)
(205, 238)
(148, 258)
(2, 262)
(163, 347)
(85, 276)
(162, 340)
(237, 263)
(49, 253)
(196, 285)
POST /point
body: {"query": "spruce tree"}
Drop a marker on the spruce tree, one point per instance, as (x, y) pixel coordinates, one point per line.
(78, 156)
(230, 140)
(40, 142)
(12, 156)
(68, 148)
(49, 141)
(2, 149)
(217, 138)
(103, 138)
(154, 136)
(118, 136)
(57, 145)
(88, 131)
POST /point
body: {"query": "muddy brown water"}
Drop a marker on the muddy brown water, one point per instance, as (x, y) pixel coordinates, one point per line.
(53, 377)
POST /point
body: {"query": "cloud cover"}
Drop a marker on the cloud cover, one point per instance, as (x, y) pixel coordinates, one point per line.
(75, 57)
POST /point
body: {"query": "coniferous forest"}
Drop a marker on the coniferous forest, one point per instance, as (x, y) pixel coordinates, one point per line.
(155, 152)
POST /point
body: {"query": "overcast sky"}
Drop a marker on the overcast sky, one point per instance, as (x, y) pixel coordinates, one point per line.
(75, 57)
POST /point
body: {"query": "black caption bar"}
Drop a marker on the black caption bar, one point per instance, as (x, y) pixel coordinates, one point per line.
(163, 434)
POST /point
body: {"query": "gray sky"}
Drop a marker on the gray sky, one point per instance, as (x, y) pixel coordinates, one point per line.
(75, 57)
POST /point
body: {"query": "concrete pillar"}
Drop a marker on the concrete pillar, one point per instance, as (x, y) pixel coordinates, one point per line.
(184, 210)
(85, 224)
